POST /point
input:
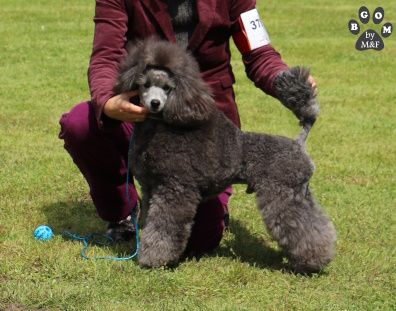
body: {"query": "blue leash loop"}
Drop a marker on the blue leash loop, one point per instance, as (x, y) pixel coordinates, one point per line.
(91, 237)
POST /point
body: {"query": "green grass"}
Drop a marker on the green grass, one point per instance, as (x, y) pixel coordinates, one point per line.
(44, 53)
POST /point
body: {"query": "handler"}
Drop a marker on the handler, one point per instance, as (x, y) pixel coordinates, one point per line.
(96, 132)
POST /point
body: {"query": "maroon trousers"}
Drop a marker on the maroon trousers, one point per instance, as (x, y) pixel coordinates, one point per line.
(101, 155)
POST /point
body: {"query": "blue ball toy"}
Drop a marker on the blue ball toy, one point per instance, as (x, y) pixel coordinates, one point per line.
(43, 233)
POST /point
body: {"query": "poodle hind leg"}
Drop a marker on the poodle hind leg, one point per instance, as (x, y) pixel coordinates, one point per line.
(168, 225)
(299, 226)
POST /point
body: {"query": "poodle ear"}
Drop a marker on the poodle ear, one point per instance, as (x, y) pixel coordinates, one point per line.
(130, 70)
(127, 78)
(190, 102)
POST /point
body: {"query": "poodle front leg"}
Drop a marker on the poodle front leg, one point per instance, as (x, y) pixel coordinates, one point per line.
(169, 220)
(299, 226)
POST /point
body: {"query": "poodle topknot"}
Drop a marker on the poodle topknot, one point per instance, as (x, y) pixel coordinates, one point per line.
(187, 151)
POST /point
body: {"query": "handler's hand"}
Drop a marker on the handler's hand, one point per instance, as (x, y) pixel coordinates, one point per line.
(119, 108)
(312, 81)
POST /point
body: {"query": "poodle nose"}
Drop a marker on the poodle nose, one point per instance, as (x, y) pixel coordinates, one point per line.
(155, 103)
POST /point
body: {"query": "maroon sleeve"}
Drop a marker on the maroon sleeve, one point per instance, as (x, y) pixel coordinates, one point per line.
(262, 64)
(108, 51)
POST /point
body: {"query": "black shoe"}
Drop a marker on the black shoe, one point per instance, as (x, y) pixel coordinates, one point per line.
(226, 221)
(123, 230)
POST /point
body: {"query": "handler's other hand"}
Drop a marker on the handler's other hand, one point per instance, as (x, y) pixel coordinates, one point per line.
(312, 81)
(119, 108)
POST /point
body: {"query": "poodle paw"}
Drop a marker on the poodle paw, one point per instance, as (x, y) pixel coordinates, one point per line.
(157, 252)
(151, 258)
(313, 253)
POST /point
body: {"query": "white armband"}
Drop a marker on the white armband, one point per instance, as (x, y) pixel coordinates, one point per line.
(252, 34)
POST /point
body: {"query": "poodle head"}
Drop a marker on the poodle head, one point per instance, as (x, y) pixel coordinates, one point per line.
(169, 82)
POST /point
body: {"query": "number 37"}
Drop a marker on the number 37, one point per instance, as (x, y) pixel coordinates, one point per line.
(256, 24)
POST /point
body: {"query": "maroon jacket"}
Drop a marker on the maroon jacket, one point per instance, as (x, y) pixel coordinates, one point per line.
(119, 21)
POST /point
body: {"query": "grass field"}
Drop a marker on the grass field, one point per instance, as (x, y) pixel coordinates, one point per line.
(44, 53)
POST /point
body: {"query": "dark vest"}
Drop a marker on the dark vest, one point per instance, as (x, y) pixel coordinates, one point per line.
(184, 18)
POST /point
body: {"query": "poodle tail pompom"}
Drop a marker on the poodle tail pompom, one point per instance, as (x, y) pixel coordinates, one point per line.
(294, 90)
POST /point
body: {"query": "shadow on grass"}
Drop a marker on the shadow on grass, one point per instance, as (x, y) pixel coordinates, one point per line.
(250, 249)
(254, 251)
(75, 216)
(80, 217)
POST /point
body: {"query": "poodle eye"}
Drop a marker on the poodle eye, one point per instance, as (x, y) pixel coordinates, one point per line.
(147, 85)
(166, 88)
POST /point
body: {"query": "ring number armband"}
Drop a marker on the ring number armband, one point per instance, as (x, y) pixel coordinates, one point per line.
(251, 33)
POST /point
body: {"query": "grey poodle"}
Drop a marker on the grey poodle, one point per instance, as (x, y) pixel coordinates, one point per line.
(188, 150)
